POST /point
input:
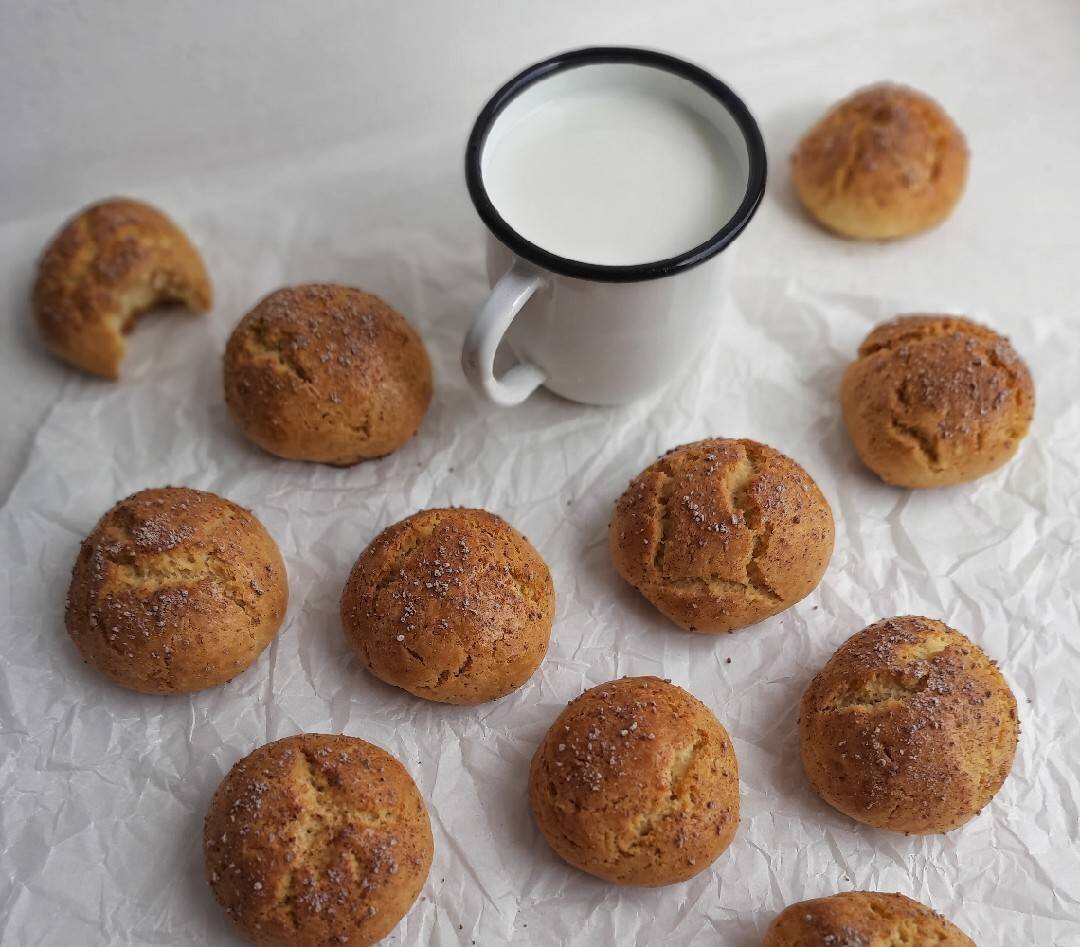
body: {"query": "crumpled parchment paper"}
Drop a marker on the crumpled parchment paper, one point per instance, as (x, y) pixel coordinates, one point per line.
(104, 791)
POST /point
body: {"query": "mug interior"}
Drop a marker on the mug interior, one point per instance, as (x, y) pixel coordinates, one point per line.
(635, 72)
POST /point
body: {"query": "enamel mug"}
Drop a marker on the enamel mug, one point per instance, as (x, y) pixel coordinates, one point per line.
(591, 332)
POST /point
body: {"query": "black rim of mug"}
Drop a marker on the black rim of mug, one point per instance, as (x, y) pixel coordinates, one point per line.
(564, 266)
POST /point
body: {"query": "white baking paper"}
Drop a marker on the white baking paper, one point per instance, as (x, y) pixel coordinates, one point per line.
(104, 791)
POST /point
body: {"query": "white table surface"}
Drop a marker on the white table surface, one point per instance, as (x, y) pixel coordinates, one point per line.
(132, 97)
(164, 100)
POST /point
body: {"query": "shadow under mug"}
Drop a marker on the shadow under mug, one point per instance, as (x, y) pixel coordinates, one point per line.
(596, 333)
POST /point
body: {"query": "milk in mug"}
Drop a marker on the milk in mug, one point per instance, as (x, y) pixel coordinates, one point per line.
(613, 176)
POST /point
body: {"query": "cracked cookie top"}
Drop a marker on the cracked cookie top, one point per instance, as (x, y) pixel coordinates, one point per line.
(908, 727)
(936, 400)
(885, 163)
(453, 605)
(636, 782)
(326, 373)
(863, 919)
(722, 533)
(108, 265)
(316, 840)
(175, 590)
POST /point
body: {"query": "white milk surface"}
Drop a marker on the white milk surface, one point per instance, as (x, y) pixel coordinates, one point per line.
(614, 177)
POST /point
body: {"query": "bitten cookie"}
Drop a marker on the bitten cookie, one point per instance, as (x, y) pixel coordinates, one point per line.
(326, 373)
(316, 840)
(886, 162)
(109, 264)
(451, 605)
(936, 400)
(175, 590)
(909, 727)
(636, 782)
(863, 919)
(721, 534)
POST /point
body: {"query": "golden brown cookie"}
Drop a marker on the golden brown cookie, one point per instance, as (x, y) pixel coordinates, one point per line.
(936, 400)
(317, 840)
(326, 373)
(175, 590)
(909, 727)
(721, 534)
(636, 782)
(886, 162)
(452, 605)
(863, 919)
(108, 265)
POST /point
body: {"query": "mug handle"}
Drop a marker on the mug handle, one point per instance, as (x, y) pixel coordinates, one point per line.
(510, 293)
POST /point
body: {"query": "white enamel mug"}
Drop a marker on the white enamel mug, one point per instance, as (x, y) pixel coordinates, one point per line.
(596, 333)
